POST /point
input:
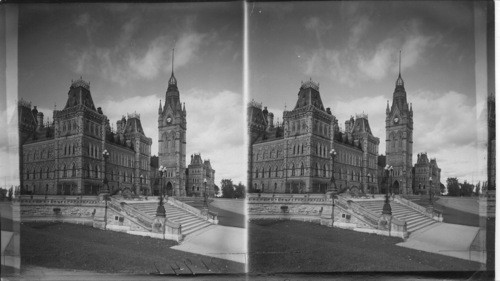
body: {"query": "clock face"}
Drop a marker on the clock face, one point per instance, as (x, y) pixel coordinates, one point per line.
(169, 119)
(396, 120)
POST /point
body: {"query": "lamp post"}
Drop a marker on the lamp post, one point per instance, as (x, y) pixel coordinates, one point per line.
(387, 210)
(160, 210)
(333, 187)
(105, 190)
(162, 170)
(140, 184)
(430, 191)
(205, 195)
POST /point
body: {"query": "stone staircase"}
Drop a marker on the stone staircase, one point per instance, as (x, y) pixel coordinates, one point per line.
(189, 222)
(414, 220)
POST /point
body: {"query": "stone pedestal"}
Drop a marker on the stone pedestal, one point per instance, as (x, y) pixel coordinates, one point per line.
(384, 222)
(99, 218)
(159, 225)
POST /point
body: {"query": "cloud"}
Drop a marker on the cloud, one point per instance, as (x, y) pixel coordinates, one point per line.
(214, 126)
(123, 60)
(446, 126)
(367, 59)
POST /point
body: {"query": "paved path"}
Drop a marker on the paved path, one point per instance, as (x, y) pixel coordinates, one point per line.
(445, 239)
(217, 241)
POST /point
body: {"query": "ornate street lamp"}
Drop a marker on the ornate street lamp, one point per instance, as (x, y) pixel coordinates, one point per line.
(333, 186)
(430, 191)
(140, 184)
(105, 189)
(205, 195)
(160, 211)
(387, 206)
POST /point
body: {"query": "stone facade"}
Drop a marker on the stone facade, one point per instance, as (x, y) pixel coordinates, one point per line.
(294, 156)
(399, 139)
(200, 170)
(172, 140)
(65, 156)
(172, 126)
(424, 170)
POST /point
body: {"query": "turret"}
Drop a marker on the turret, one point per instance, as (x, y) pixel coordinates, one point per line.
(270, 120)
(39, 120)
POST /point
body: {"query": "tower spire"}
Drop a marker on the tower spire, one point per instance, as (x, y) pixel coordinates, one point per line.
(399, 62)
(400, 82)
(172, 80)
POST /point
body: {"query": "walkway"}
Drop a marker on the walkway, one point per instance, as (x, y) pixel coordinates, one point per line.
(446, 239)
(217, 241)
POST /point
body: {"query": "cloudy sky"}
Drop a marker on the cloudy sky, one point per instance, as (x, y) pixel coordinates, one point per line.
(352, 49)
(124, 50)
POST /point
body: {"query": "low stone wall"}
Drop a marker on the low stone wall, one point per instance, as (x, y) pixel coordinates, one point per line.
(59, 208)
(89, 210)
(318, 208)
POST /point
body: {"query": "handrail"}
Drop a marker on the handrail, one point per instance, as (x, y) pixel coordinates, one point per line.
(133, 212)
(360, 210)
(418, 208)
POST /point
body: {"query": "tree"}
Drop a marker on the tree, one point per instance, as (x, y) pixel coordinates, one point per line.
(442, 188)
(227, 188)
(239, 191)
(453, 187)
(216, 190)
(466, 189)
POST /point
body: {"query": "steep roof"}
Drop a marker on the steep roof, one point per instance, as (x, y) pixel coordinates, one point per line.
(79, 94)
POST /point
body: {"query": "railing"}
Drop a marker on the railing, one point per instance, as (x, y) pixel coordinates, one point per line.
(142, 218)
(361, 211)
(287, 198)
(209, 216)
(431, 212)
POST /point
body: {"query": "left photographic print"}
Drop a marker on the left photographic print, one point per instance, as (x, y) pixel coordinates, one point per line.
(124, 131)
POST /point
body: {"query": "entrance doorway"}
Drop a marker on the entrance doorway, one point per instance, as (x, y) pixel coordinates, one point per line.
(395, 187)
(169, 189)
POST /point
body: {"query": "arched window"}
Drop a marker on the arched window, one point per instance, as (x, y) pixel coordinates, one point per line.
(256, 173)
(73, 170)
(302, 169)
(96, 172)
(263, 173)
(276, 172)
(293, 170)
(74, 149)
(269, 172)
(40, 172)
(302, 148)
(64, 174)
(47, 174)
(27, 174)
(324, 170)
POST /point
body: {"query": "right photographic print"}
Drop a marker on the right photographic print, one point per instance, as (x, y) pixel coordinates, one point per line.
(371, 137)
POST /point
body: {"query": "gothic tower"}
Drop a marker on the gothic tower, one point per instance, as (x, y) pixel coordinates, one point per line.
(172, 139)
(399, 138)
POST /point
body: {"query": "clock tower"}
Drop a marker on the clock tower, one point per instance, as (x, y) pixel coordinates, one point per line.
(399, 139)
(172, 139)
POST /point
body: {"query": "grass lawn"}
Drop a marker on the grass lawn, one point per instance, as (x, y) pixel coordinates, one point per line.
(68, 246)
(226, 218)
(291, 246)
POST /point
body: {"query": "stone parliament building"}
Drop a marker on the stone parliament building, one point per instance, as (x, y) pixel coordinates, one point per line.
(294, 156)
(65, 156)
